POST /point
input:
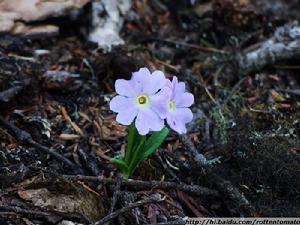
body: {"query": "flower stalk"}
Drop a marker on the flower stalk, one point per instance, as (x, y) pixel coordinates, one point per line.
(139, 148)
(145, 102)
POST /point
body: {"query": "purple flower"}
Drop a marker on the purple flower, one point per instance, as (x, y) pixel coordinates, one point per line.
(141, 97)
(179, 113)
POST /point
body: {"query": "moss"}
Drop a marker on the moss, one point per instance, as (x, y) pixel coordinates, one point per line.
(221, 123)
(264, 161)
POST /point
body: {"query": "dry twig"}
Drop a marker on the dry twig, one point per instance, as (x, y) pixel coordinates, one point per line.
(283, 46)
(126, 209)
(21, 211)
(224, 186)
(140, 185)
(25, 138)
(10, 210)
(173, 222)
(7, 95)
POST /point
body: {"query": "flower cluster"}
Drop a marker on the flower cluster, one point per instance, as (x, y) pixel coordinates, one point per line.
(149, 99)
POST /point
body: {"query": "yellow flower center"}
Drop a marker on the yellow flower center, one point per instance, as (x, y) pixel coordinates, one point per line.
(142, 100)
(171, 106)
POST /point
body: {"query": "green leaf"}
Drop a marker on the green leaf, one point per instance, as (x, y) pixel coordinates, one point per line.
(138, 149)
(119, 161)
(154, 142)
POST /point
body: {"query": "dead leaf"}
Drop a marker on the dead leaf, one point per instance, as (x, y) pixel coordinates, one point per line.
(73, 124)
(69, 137)
(63, 196)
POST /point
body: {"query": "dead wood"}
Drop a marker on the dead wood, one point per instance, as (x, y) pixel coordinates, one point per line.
(25, 138)
(284, 45)
(225, 187)
(126, 209)
(141, 185)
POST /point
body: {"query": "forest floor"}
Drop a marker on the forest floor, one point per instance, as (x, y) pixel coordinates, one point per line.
(240, 157)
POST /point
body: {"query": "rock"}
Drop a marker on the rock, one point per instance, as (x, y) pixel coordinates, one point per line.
(14, 11)
(105, 29)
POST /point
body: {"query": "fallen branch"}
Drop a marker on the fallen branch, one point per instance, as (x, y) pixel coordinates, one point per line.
(173, 222)
(25, 138)
(225, 187)
(116, 190)
(10, 210)
(7, 95)
(21, 211)
(283, 46)
(116, 193)
(140, 185)
(126, 209)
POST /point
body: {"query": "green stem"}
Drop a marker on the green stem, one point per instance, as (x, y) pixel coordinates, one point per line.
(136, 156)
(131, 140)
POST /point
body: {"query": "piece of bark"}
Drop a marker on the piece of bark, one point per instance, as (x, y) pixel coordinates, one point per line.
(136, 185)
(15, 14)
(37, 10)
(35, 31)
(106, 28)
(284, 45)
(267, 55)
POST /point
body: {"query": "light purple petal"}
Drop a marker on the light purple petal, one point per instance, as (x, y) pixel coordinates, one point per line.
(125, 107)
(147, 120)
(184, 100)
(177, 87)
(156, 81)
(183, 114)
(176, 125)
(121, 103)
(141, 76)
(126, 88)
(180, 87)
(160, 102)
(150, 83)
(141, 124)
(179, 118)
(174, 84)
(169, 84)
(127, 116)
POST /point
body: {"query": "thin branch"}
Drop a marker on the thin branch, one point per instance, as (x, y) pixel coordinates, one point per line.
(140, 185)
(116, 188)
(126, 209)
(283, 45)
(225, 187)
(25, 138)
(173, 222)
(198, 158)
(193, 46)
(7, 95)
(7, 210)
(21, 211)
